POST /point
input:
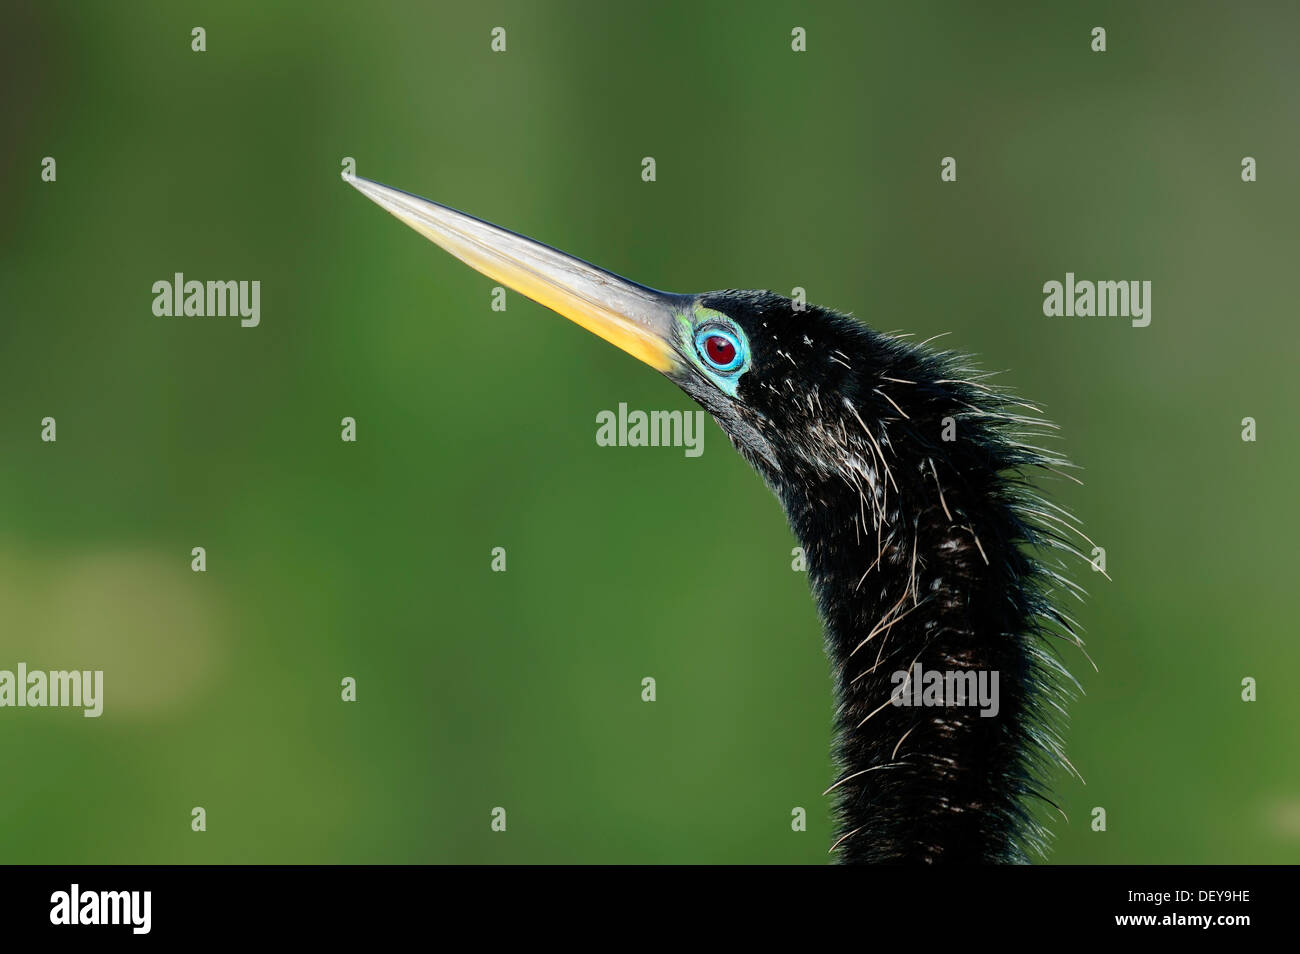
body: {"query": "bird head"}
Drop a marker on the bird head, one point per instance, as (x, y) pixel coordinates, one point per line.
(750, 358)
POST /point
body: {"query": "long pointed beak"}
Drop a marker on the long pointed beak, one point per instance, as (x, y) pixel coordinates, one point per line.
(637, 319)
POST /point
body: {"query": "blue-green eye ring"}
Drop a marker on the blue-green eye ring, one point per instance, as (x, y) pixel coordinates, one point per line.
(720, 349)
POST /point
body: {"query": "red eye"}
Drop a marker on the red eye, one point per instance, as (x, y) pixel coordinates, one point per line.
(719, 350)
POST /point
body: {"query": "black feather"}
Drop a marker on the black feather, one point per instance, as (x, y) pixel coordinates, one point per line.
(919, 550)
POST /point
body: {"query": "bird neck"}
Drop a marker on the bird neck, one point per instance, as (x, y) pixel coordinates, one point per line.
(929, 608)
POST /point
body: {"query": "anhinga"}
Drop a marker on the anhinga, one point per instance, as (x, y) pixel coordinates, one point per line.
(903, 476)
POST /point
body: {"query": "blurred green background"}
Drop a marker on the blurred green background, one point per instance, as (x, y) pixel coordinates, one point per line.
(476, 428)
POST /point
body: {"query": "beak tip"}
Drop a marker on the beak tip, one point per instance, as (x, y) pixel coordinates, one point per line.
(381, 195)
(361, 185)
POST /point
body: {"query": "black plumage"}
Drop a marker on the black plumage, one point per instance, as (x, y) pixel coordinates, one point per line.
(918, 551)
